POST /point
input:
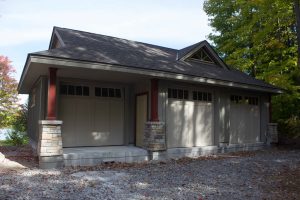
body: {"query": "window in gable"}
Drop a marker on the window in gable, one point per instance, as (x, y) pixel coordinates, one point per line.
(202, 55)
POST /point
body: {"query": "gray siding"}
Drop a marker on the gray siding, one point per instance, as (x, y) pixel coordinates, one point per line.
(265, 118)
(36, 108)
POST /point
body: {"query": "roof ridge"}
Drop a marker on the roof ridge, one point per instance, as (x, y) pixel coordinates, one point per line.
(144, 43)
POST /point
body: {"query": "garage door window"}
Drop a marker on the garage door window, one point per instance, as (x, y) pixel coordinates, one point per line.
(178, 94)
(108, 92)
(251, 100)
(202, 96)
(77, 90)
(236, 99)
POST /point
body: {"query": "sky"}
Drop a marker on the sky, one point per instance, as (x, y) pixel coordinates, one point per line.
(26, 26)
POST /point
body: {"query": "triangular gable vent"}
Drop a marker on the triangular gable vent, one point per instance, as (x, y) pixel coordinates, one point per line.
(201, 52)
(202, 55)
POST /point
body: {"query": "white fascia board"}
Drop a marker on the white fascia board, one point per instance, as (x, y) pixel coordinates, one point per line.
(155, 73)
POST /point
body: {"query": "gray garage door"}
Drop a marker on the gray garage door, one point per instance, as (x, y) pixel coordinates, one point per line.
(244, 119)
(189, 118)
(92, 116)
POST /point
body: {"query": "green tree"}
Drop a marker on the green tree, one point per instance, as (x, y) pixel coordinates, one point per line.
(8, 93)
(259, 37)
(18, 134)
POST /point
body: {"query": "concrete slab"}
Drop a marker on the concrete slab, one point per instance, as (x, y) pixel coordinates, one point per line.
(89, 156)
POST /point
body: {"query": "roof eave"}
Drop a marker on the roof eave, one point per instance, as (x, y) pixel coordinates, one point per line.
(24, 72)
(131, 69)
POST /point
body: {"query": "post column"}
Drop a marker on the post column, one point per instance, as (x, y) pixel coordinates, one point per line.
(154, 134)
(154, 100)
(50, 151)
(51, 101)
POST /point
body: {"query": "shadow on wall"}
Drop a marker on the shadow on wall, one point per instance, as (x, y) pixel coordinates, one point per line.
(189, 124)
(244, 124)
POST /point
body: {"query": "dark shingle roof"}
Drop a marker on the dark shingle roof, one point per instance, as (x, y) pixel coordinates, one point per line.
(91, 47)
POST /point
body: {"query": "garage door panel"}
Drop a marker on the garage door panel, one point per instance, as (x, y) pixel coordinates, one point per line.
(179, 130)
(92, 120)
(189, 124)
(68, 116)
(101, 130)
(244, 123)
(116, 116)
(84, 119)
(203, 125)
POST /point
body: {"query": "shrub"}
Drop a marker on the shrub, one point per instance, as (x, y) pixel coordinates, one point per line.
(16, 138)
(17, 135)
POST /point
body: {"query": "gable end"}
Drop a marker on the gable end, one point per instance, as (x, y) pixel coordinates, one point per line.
(56, 40)
(204, 53)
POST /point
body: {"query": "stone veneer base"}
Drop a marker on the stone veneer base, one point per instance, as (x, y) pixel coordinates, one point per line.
(155, 136)
(49, 149)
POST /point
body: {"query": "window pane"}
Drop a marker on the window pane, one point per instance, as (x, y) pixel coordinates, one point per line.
(200, 96)
(63, 89)
(97, 92)
(111, 92)
(79, 90)
(195, 95)
(209, 98)
(118, 93)
(231, 98)
(169, 93)
(180, 94)
(174, 93)
(71, 90)
(204, 96)
(104, 92)
(236, 99)
(240, 98)
(86, 91)
(185, 94)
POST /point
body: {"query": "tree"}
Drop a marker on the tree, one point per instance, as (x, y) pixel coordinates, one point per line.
(8, 92)
(259, 37)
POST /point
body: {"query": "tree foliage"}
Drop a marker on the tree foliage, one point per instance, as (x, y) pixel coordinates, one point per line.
(8, 93)
(259, 37)
(18, 133)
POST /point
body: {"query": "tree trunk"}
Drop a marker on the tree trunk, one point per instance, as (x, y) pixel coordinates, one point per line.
(297, 14)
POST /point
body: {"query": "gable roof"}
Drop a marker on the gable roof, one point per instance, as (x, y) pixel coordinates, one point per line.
(90, 47)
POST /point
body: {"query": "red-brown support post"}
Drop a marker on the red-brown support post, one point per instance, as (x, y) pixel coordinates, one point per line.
(270, 108)
(51, 109)
(154, 100)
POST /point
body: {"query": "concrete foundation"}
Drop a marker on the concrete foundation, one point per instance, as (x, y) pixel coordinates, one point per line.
(90, 156)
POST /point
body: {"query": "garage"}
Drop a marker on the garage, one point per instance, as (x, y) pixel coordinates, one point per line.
(189, 116)
(244, 119)
(92, 116)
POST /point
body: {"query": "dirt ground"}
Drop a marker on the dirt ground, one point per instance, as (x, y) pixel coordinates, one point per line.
(266, 174)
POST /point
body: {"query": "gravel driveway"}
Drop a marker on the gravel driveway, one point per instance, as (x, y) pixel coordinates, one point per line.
(267, 174)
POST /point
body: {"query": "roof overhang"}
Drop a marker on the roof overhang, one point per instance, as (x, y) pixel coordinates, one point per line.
(33, 69)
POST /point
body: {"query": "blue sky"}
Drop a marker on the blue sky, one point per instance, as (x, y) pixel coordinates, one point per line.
(26, 26)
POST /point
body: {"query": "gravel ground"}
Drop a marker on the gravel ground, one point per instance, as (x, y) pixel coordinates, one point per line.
(267, 174)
